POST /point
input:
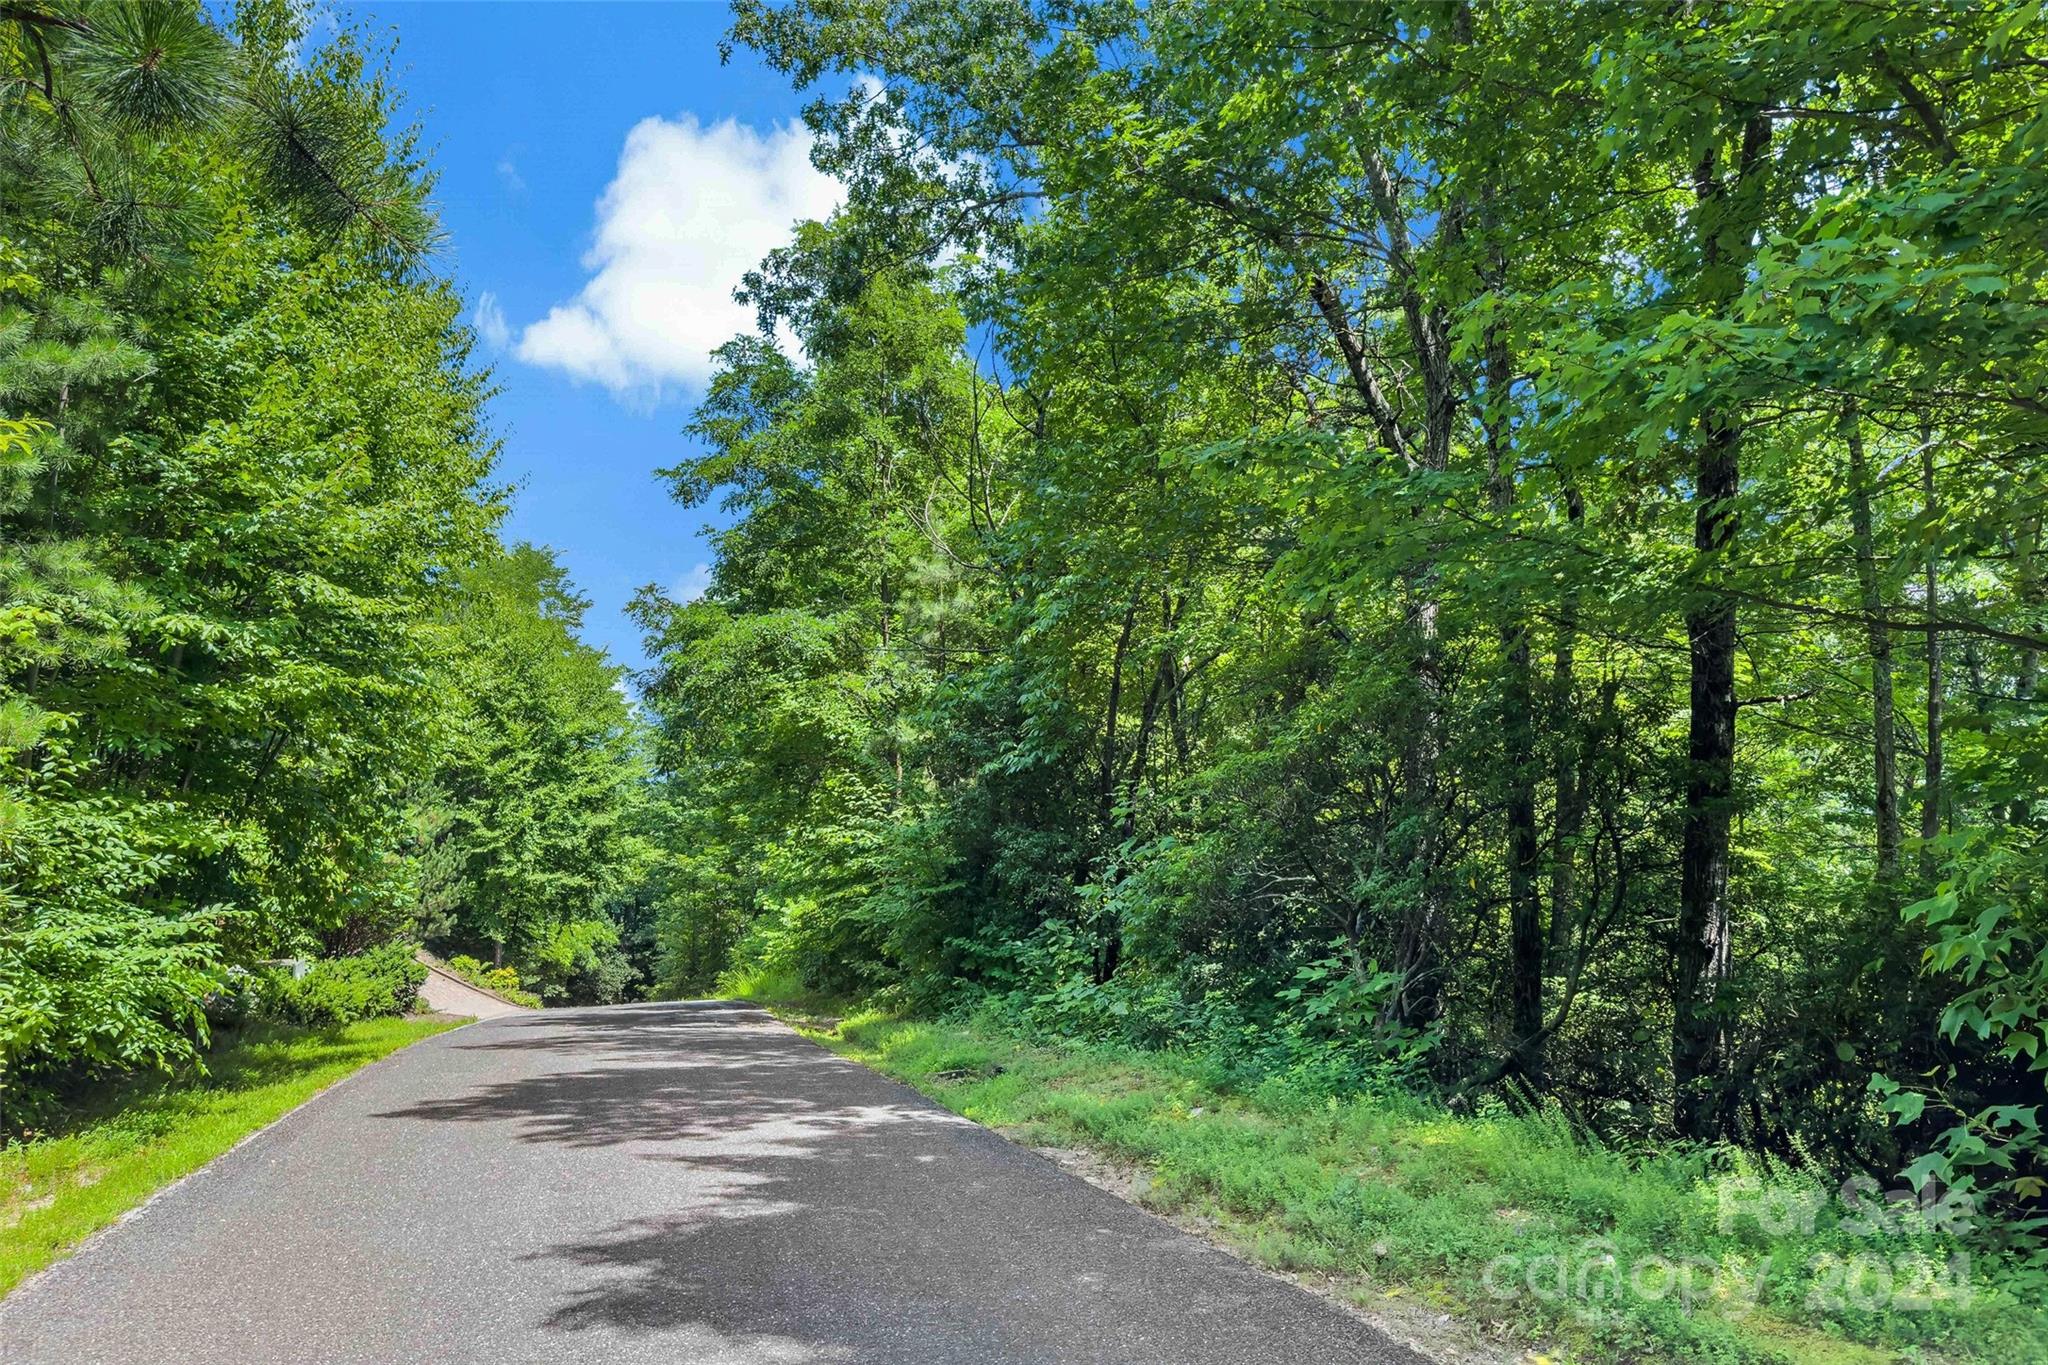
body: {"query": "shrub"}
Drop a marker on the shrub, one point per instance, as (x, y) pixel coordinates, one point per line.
(760, 981)
(341, 990)
(580, 962)
(97, 973)
(504, 980)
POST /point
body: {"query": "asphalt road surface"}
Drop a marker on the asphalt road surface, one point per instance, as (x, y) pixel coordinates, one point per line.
(673, 1183)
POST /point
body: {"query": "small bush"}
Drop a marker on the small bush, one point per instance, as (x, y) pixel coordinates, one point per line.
(342, 990)
(503, 980)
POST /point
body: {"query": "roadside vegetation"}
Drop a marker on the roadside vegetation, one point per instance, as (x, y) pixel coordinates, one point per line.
(103, 1155)
(1475, 571)
(502, 981)
(1533, 1233)
(1464, 581)
(272, 685)
(384, 980)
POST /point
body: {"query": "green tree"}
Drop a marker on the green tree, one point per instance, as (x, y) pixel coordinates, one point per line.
(245, 451)
(523, 826)
(1510, 491)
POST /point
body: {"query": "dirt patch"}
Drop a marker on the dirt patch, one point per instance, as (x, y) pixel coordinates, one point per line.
(21, 1201)
(1127, 1182)
(14, 1212)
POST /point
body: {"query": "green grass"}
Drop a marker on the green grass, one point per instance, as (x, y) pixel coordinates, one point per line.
(781, 989)
(1391, 1202)
(139, 1135)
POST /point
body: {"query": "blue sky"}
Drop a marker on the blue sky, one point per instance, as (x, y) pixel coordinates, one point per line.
(596, 315)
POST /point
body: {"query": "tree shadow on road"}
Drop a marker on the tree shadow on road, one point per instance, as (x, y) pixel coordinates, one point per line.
(818, 1212)
(657, 1074)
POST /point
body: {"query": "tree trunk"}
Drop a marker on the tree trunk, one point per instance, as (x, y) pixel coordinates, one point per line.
(1110, 952)
(1930, 791)
(1525, 908)
(1105, 792)
(1885, 759)
(1727, 219)
(1703, 923)
(1419, 1002)
(2027, 669)
(1518, 746)
(2028, 573)
(1568, 815)
(1419, 945)
(885, 603)
(1417, 941)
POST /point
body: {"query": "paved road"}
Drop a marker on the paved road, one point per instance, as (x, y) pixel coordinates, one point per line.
(673, 1183)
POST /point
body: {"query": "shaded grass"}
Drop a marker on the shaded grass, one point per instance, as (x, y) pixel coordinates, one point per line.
(1511, 1220)
(136, 1136)
(782, 989)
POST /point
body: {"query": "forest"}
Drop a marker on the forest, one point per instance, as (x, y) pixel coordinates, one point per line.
(271, 684)
(1494, 550)
(1494, 544)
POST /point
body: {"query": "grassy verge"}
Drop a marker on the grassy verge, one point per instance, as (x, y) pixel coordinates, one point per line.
(1513, 1224)
(141, 1135)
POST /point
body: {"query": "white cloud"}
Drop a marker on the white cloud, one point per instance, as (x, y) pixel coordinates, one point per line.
(693, 584)
(490, 321)
(692, 208)
(508, 173)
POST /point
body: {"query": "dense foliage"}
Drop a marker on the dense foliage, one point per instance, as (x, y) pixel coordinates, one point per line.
(269, 684)
(345, 990)
(523, 830)
(1497, 543)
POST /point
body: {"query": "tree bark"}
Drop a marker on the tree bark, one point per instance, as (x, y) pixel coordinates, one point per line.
(1110, 954)
(1930, 791)
(1568, 813)
(1418, 947)
(1106, 789)
(1417, 941)
(1419, 944)
(1884, 726)
(2027, 678)
(1518, 746)
(1727, 227)
(1703, 921)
